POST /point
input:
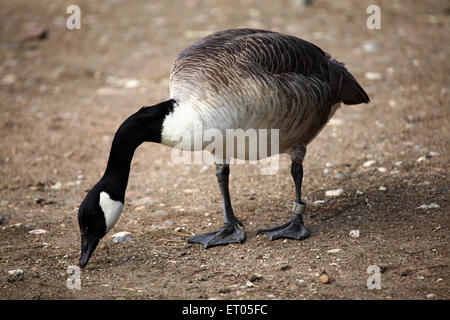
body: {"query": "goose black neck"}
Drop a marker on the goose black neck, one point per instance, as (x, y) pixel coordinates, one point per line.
(143, 126)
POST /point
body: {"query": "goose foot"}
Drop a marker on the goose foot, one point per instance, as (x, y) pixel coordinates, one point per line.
(229, 233)
(294, 229)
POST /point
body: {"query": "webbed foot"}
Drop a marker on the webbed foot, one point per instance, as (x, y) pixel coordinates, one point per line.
(229, 233)
(294, 229)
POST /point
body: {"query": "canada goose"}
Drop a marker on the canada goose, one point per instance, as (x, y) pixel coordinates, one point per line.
(239, 78)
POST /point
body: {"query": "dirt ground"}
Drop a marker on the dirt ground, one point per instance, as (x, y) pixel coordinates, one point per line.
(63, 97)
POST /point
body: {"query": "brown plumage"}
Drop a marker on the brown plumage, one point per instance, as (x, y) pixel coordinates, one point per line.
(263, 79)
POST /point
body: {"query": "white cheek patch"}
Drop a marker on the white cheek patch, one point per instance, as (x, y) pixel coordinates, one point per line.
(111, 209)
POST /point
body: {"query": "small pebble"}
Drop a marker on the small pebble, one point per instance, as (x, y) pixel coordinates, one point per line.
(421, 159)
(370, 47)
(382, 188)
(429, 206)
(382, 169)
(319, 202)
(324, 278)
(334, 250)
(327, 170)
(131, 83)
(17, 272)
(56, 186)
(430, 295)
(42, 201)
(37, 33)
(121, 239)
(38, 231)
(334, 193)
(369, 163)
(121, 236)
(354, 233)
(374, 76)
(255, 277)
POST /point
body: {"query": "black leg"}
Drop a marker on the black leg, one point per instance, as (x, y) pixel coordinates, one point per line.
(294, 229)
(297, 176)
(230, 232)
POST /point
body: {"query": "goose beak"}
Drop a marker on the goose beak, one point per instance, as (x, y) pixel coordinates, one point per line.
(88, 245)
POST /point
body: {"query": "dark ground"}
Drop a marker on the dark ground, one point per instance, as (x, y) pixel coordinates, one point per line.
(63, 97)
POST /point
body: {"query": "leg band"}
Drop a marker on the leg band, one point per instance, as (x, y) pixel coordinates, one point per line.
(298, 208)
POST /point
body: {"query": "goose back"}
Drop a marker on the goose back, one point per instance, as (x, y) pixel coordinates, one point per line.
(247, 78)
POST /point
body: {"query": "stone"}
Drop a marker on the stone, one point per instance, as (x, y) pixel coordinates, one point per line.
(373, 76)
(369, 163)
(324, 278)
(334, 250)
(37, 33)
(354, 233)
(38, 231)
(429, 206)
(334, 193)
(255, 277)
(56, 186)
(121, 237)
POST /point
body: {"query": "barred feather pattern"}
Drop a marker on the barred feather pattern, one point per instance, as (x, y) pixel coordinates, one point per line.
(247, 78)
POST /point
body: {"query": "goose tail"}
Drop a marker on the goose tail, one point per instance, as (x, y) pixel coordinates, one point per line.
(350, 91)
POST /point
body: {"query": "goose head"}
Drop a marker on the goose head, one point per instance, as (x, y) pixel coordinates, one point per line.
(102, 206)
(97, 214)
